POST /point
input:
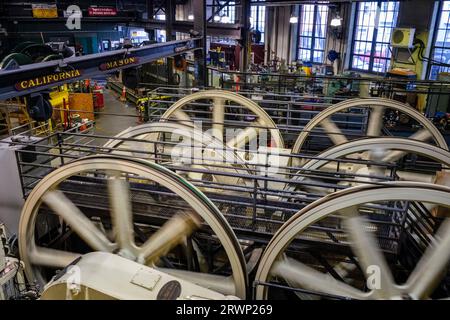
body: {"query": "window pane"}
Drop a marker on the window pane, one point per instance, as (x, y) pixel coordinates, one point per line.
(258, 18)
(362, 47)
(304, 54)
(305, 42)
(360, 62)
(318, 56)
(382, 50)
(319, 44)
(381, 65)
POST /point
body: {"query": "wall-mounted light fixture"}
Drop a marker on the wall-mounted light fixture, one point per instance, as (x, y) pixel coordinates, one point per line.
(293, 19)
(336, 21)
(191, 17)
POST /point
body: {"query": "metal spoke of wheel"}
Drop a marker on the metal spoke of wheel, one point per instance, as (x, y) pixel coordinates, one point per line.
(375, 149)
(421, 135)
(51, 257)
(368, 103)
(121, 214)
(375, 121)
(297, 273)
(250, 133)
(369, 256)
(219, 97)
(222, 284)
(422, 281)
(172, 233)
(116, 166)
(334, 133)
(79, 223)
(218, 116)
(183, 117)
(431, 267)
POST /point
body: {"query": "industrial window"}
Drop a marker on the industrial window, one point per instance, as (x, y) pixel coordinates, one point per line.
(312, 33)
(373, 28)
(258, 18)
(224, 11)
(160, 34)
(441, 48)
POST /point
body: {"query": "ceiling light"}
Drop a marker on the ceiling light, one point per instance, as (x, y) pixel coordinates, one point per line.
(160, 17)
(293, 19)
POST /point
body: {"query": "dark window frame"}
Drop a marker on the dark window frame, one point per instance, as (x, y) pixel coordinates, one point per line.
(313, 37)
(256, 21)
(373, 43)
(435, 35)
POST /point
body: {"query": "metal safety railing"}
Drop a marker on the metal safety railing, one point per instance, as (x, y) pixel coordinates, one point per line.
(255, 207)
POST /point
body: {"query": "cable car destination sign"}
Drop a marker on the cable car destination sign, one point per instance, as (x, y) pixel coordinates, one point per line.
(71, 74)
(114, 64)
(48, 79)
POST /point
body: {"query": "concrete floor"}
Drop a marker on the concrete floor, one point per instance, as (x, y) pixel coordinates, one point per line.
(111, 125)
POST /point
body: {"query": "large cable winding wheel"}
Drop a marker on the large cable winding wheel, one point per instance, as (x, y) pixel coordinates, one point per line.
(376, 111)
(147, 212)
(240, 113)
(365, 242)
(369, 160)
(177, 144)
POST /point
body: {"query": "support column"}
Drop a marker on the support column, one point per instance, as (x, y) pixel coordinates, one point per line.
(245, 39)
(170, 19)
(150, 11)
(169, 8)
(201, 73)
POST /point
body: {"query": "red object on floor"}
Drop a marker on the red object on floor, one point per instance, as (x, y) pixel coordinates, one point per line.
(99, 101)
(123, 97)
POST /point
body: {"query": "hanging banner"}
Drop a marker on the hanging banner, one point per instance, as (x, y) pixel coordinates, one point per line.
(102, 12)
(44, 11)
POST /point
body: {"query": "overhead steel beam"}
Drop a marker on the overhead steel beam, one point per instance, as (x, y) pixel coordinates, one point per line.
(40, 76)
(229, 30)
(278, 3)
(59, 20)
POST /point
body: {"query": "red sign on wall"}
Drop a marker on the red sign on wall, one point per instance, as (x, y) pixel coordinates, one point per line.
(102, 12)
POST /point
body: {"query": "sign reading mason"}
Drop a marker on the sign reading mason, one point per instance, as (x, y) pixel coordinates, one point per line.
(47, 79)
(118, 63)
